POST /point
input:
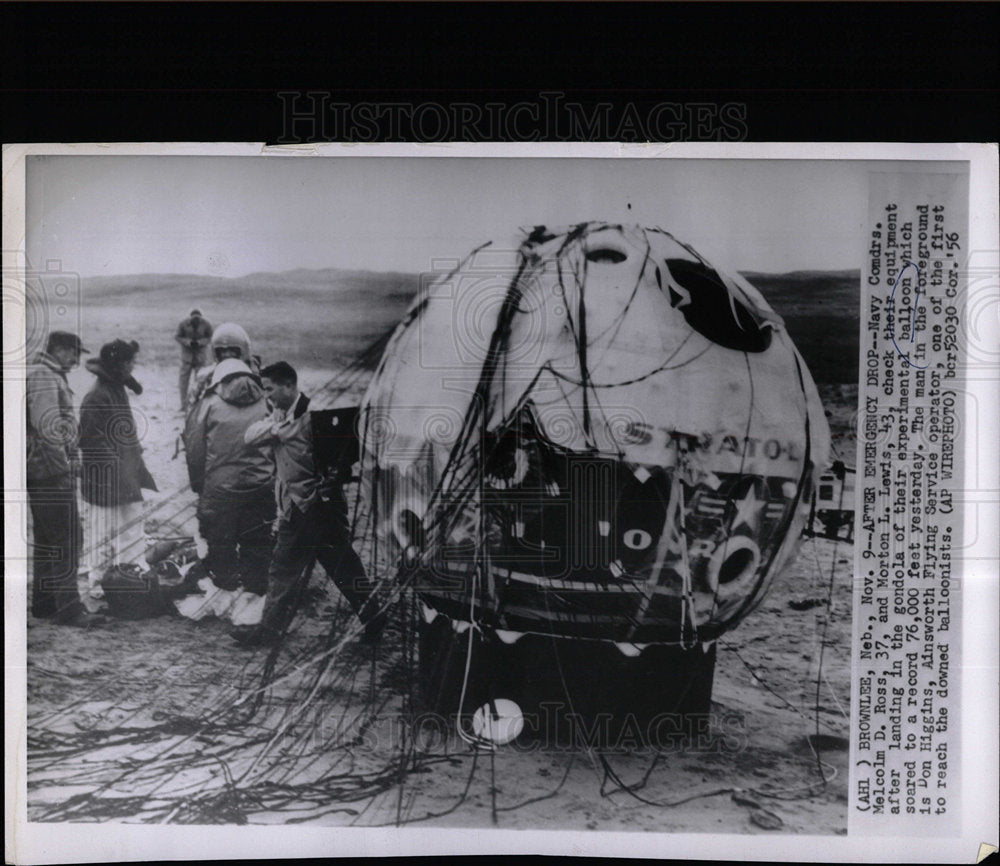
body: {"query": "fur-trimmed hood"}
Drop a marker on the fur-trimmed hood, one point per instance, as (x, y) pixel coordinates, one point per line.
(111, 375)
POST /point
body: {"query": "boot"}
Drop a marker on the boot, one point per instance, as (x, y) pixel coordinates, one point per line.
(81, 619)
(255, 635)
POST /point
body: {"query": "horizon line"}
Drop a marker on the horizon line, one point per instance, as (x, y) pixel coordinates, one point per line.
(370, 270)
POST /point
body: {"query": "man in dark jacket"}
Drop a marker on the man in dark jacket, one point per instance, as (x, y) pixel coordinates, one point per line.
(193, 335)
(313, 523)
(114, 473)
(51, 470)
(234, 481)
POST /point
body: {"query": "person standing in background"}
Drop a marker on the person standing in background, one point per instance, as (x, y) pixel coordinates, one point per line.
(113, 472)
(51, 468)
(193, 335)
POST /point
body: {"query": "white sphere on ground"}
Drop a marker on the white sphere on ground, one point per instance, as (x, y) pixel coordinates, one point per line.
(499, 721)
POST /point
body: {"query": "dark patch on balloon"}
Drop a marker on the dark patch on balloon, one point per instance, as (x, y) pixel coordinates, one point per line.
(713, 312)
(606, 256)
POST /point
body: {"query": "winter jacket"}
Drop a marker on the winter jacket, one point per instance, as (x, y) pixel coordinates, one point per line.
(198, 331)
(290, 435)
(114, 472)
(202, 378)
(51, 437)
(221, 465)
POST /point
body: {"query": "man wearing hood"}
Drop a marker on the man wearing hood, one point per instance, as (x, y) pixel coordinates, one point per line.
(50, 472)
(234, 481)
(193, 335)
(228, 341)
(113, 471)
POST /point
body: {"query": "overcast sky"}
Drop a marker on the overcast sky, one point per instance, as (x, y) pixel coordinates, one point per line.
(230, 216)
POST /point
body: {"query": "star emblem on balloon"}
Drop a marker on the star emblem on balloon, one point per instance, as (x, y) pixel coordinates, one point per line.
(747, 509)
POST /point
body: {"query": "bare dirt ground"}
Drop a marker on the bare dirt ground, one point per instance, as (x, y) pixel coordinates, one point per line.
(783, 677)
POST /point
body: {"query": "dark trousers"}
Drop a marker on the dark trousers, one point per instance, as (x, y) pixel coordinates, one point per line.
(321, 534)
(238, 533)
(190, 362)
(56, 545)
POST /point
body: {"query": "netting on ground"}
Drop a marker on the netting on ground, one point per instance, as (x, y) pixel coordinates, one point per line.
(326, 727)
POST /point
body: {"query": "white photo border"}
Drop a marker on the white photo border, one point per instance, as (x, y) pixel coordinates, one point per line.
(47, 843)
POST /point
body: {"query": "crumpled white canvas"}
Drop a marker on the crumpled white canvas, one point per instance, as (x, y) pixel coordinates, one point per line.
(239, 607)
(88, 586)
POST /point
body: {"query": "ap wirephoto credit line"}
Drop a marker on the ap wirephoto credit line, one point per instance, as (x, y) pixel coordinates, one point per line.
(500, 490)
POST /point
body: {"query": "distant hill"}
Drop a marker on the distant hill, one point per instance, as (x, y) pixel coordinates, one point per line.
(254, 287)
(314, 318)
(326, 316)
(821, 310)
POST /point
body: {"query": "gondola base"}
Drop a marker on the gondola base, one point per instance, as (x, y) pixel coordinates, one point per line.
(570, 692)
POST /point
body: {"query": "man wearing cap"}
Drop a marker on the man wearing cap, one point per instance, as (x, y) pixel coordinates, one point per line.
(114, 473)
(193, 335)
(234, 481)
(51, 469)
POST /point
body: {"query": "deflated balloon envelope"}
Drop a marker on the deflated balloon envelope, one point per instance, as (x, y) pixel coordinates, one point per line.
(591, 432)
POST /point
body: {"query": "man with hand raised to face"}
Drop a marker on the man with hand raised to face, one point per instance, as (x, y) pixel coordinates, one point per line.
(312, 515)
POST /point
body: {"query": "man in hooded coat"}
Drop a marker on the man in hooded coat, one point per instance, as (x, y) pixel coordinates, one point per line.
(234, 481)
(229, 340)
(113, 471)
